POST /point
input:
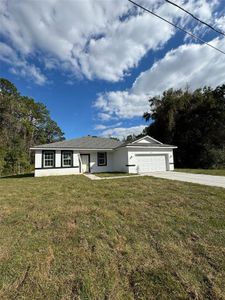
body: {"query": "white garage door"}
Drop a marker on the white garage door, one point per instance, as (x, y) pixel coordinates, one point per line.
(151, 163)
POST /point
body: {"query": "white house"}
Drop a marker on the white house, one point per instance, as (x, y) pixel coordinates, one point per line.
(96, 154)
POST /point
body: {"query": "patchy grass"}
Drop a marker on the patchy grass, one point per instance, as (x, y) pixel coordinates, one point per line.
(113, 174)
(217, 172)
(139, 238)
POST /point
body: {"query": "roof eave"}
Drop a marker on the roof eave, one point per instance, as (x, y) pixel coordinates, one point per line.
(150, 147)
(72, 148)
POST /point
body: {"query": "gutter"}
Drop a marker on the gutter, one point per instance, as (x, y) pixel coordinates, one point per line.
(153, 147)
(70, 148)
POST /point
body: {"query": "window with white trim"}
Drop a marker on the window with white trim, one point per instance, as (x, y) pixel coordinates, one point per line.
(102, 158)
(48, 159)
(67, 158)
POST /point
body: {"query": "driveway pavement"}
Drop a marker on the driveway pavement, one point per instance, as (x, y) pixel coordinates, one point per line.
(193, 178)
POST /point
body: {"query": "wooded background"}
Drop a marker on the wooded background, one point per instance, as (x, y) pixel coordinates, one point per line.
(193, 121)
(23, 123)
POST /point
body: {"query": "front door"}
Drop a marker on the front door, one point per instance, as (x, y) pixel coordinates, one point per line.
(85, 163)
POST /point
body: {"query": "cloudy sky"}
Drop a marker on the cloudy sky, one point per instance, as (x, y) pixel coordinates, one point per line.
(95, 63)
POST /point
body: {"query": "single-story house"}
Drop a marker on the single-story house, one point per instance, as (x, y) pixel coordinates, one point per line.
(96, 154)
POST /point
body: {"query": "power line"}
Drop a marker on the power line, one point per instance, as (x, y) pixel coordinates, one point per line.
(196, 18)
(177, 26)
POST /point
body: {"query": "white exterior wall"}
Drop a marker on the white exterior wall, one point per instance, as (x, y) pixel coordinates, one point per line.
(57, 158)
(171, 160)
(120, 160)
(132, 159)
(38, 159)
(94, 168)
(55, 172)
(39, 171)
(116, 161)
(76, 159)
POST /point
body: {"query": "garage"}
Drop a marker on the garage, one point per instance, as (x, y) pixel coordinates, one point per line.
(151, 163)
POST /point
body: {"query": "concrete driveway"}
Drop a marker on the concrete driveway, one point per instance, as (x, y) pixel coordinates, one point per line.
(193, 178)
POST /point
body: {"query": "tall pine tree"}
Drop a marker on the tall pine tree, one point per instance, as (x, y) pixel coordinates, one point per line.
(23, 123)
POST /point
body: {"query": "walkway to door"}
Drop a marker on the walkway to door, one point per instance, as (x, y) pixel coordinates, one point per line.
(94, 177)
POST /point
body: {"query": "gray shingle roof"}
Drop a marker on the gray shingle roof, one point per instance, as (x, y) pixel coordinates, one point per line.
(88, 142)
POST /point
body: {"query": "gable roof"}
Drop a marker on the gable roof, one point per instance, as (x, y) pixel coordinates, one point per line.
(100, 143)
(152, 144)
(87, 142)
(151, 139)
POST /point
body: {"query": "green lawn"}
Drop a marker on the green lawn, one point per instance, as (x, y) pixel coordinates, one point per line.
(113, 174)
(136, 238)
(218, 172)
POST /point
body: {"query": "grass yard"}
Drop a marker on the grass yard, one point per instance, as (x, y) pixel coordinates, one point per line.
(218, 172)
(136, 238)
(113, 174)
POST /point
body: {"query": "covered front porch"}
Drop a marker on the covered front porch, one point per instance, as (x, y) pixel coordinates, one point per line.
(96, 161)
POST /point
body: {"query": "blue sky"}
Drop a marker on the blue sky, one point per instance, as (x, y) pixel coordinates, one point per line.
(94, 64)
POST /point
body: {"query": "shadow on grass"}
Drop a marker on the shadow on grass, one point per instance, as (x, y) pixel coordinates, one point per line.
(18, 176)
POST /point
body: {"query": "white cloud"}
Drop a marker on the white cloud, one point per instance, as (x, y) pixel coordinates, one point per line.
(29, 72)
(7, 54)
(96, 39)
(105, 117)
(123, 132)
(112, 56)
(100, 127)
(193, 65)
(103, 127)
(123, 104)
(20, 66)
(220, 22)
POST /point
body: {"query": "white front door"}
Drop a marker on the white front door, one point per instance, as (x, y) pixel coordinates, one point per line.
(151, 163)
(84, 163)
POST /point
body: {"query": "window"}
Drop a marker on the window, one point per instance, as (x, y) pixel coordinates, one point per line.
(67, 158)
(48, 159)
(102, 158)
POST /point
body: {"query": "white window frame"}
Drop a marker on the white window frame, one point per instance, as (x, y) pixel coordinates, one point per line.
(63, 158)
(104, 158)
(44, 159)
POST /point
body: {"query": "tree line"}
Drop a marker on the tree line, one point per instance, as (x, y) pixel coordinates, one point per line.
(193, 121)
(23, 124)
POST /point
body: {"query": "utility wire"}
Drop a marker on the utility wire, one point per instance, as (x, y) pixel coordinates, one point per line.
(177, 26)
(193, 16)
